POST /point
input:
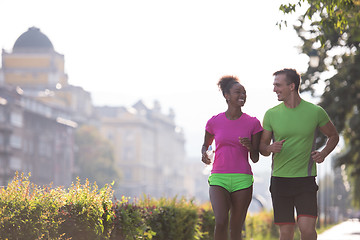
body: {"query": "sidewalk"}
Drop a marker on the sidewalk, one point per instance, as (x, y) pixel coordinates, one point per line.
(348, 230)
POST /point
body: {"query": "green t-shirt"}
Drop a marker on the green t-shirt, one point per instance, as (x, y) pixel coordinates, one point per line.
(297, 126)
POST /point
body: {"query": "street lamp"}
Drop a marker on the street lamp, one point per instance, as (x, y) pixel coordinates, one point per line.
(314, 58)
(314, 63)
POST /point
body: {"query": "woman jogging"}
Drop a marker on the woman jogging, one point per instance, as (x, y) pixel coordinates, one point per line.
(237, 135)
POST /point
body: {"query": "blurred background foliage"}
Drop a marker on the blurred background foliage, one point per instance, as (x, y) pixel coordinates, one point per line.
(330, 30)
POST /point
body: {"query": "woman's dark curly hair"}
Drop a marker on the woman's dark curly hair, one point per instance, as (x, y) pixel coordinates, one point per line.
(226, 82)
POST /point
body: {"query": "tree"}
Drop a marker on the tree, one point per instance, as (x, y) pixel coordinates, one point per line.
(94, 157)
(331, 29)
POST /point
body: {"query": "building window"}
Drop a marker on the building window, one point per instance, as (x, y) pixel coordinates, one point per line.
(127, 175)
(30, 147)
(2, 162)
(2, 140)
(129, 136)
(128, 148)
(44, 148)
(16, 119)
(15, 141)
(110, 137)
(15, 163)
(2, 114)
(128, 153)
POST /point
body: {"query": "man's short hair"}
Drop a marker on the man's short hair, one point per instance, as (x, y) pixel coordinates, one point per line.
(292, 76)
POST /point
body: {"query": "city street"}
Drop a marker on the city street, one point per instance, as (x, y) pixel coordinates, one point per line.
(348, 230)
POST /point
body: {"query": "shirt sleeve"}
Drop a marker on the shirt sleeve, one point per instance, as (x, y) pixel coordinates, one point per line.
(323, 117)
(257, 126)
(209, 126)
(266, 122)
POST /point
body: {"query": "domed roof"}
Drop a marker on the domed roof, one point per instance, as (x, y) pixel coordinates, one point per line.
(33, 40)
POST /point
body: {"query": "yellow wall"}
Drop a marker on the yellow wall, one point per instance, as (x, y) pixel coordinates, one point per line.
(26, 79)
(59, 64)
(67, 97)
(22, 63)
(63, 80)
(27, 62)
(57, 102)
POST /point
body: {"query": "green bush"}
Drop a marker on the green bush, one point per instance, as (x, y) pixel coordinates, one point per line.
(207, 222)
(130, 221)
(261, 226)
(86, 212)
(172, 219)
(83, 211)
(29, 212)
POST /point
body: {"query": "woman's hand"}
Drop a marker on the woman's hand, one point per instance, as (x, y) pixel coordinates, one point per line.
(208, 139)
(252, 145)
(246, 142)
(205, 159)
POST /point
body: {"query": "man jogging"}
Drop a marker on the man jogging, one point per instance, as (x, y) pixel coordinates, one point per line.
(289, 134)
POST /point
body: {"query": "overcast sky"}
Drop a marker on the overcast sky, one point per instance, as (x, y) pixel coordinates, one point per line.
(170, 51)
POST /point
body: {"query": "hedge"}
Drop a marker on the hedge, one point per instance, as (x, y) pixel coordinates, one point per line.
(83, 211)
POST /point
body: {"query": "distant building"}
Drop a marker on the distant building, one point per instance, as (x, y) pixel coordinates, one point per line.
(149, 149)
(39, 112)
(33, 64)
(35, 67)
(34, 138)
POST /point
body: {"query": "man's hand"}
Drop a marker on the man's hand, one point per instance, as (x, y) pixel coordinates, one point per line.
(317, 156)
(276, 146)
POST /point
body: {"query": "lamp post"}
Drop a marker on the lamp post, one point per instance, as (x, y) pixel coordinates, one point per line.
(319, 199)
(314, 58)
(314, 63)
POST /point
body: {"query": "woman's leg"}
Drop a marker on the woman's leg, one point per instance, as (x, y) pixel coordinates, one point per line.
(240, 201)
(220, 202)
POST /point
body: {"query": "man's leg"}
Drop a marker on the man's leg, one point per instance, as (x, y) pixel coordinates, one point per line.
(287, 231)
(307, 228)
(240, 201)
(306, 207)
(220, 202)
(283, 207)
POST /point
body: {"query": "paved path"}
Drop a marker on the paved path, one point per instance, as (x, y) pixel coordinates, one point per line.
(348, 230)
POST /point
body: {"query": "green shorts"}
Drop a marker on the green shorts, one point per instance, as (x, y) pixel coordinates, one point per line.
(232, 182)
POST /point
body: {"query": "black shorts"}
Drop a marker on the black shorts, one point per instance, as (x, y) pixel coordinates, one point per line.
(293, 193)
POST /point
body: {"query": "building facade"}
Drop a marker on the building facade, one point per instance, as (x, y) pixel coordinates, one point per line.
(39, 112)
(33, 63)
(148, 149)
(35, 67)
(34, 138)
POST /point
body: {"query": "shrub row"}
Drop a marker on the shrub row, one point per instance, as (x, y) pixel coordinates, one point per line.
(84, 212)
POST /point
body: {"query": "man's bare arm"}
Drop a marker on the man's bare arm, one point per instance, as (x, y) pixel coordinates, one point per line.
(331, 133)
